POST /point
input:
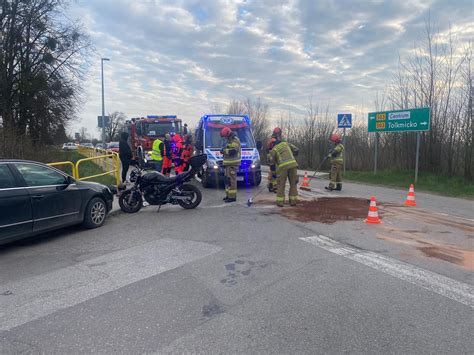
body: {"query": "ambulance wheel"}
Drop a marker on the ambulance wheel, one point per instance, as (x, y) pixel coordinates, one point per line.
(205, 180)
(258, 180)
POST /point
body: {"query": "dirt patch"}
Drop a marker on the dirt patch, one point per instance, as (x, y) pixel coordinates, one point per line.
(431, 218)
(328, 210)
(452, 254)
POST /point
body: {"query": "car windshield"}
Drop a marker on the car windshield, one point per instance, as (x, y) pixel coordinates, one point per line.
(113, 145)
(159, 129)
(214, 139)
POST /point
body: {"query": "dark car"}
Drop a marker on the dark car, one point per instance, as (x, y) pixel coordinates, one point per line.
(36, 198)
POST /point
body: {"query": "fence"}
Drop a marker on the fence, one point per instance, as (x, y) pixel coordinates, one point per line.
(107, 160)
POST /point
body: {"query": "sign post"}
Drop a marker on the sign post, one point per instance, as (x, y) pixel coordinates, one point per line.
(410, 120)
(344, 120)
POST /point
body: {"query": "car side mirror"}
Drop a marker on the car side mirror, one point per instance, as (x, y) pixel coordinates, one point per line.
(259, 145)
(70, 180)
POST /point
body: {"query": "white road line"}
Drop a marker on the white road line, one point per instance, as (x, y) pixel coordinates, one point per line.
(41, 295)
(442, 285)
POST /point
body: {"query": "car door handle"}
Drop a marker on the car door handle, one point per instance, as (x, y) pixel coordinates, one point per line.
(37, 197)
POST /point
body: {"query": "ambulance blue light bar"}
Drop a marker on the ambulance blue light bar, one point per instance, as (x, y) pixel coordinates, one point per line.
(169, 117)
(226, 119)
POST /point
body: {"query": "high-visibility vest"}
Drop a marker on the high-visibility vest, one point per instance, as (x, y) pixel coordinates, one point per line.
(283, 156)
(235, 159)
(339, 158)
(156, 153)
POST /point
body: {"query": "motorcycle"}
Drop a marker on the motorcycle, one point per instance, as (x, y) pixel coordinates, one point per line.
(158, 189)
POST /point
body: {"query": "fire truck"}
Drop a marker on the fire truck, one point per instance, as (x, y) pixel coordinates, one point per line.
(143, 132)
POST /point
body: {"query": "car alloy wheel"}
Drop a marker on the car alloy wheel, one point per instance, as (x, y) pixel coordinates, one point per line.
(98, 212)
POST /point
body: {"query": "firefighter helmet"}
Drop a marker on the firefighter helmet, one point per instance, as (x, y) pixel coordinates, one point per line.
(276, 132)
(335, 138)
(226, 132)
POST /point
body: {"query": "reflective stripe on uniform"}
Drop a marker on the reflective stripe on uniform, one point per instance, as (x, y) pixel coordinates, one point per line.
(235, 160)
(284, 156)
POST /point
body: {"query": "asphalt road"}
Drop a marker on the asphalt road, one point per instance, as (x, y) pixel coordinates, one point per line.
(237, 279)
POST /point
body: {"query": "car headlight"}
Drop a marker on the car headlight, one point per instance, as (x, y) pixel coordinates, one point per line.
(212, 164)
(256, 164)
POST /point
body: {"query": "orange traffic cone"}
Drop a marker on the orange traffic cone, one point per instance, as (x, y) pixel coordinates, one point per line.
(305, 183)
(410, 201)
(373, 217)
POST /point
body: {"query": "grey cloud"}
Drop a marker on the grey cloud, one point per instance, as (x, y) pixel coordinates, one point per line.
(182, 56)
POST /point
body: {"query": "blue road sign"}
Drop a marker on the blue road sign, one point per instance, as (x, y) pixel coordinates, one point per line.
(344, 120)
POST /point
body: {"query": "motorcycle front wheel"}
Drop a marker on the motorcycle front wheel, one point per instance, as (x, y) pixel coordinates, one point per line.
(195, 198)
(130, 203)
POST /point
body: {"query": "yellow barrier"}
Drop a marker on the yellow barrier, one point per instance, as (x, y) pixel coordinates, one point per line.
(108, 161)
(70, 163)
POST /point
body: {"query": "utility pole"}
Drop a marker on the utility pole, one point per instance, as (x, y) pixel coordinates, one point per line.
(103, 100)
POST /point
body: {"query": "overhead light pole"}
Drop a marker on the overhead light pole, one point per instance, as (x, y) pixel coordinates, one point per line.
(103, 101)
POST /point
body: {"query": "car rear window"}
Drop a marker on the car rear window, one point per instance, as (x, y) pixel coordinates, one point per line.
(7, 180)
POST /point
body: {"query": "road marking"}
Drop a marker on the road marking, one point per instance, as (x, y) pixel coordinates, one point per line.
(41, 295)
(442, 285)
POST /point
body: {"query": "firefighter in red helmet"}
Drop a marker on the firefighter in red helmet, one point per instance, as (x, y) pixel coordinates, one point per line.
(337, 161)
(232, 157)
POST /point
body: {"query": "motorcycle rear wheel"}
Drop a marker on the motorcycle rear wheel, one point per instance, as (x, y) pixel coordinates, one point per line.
(132, 206)
(196, 197)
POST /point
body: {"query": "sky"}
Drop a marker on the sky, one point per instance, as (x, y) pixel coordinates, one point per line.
(183, 57)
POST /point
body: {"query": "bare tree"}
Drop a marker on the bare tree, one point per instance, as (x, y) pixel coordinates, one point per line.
(115, 125)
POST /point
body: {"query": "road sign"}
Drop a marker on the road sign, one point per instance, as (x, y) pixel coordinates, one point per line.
(344, 120)
(417, 119)
(99, 121)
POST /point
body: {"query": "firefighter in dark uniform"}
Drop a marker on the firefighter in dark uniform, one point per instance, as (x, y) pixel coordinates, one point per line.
(337, 162)
(232, 158)
(286, 167)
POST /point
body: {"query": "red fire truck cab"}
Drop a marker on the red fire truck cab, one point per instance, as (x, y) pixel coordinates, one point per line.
(143, 131)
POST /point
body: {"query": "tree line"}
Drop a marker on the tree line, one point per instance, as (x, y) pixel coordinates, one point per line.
(42, 61)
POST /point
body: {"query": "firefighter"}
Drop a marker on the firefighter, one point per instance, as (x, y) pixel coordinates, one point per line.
(337, 161)
(284, 163)
(157, 154)
(188, 151)
(167, 156)
(232, 158)
(177, 154)
(272, 180)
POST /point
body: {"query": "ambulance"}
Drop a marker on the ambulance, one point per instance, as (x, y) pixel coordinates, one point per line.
(208, 141)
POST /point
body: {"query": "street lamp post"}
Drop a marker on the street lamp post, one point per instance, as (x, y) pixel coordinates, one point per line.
(103, 101)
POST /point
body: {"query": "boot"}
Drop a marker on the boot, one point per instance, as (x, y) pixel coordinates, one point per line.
(228, 200)
(329, 188)
(338, 187)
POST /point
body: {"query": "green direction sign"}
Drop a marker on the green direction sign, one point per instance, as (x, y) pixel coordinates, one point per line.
(417, 119)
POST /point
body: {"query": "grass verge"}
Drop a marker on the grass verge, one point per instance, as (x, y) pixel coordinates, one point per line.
(87, 168)
(454, 186)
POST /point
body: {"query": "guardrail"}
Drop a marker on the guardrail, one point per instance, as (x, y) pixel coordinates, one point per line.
(108, 161)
